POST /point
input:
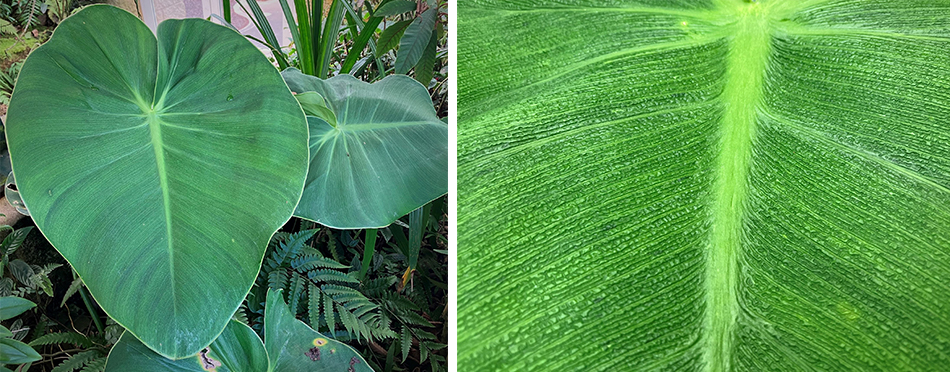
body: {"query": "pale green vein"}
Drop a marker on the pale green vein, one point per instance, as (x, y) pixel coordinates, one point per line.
(155, 129)
(885, 34)
(745, 73)
(558, 136)
(604, 58)
(379, 126)
(824, 138)
(696, 14)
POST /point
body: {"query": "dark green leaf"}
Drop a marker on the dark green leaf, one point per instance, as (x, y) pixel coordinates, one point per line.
(11, 306)
(16, 352)
(395, 7)
(389, 38)
(414, 42)
(424, 70)
(14, 240)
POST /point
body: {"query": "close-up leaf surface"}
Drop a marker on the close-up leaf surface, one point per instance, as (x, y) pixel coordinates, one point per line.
(385, 156)
(167, 164)
(695, 185)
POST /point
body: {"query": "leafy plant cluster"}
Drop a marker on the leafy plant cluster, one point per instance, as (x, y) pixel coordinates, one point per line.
(31, 14)
(395, 323)
(64, 347)
(361, 39)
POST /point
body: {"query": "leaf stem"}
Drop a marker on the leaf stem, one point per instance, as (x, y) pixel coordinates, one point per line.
(91, 309)
(369, 249)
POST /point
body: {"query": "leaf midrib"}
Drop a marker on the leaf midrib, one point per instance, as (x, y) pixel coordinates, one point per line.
(155, 132)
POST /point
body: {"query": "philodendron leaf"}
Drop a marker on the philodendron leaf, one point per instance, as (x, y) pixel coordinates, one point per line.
(158, 167)
(295, 347)
(704, 185)
(237, 349)
(386, 156)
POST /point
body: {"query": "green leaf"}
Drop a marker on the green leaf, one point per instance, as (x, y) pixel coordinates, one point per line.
(425, 67)
(5, 332)
(293, 346)
(14, 240)
(313, 104)
(16, 352)
(62, 338)
(23, 272)
(395, 8)
(405, 341)
(413, 43)
(158, 167)
(237, 349)
(721, 185)
(389, 38)
(11, 306)
(328, 314)
(386, 156)
(73, 287)
(76, 361)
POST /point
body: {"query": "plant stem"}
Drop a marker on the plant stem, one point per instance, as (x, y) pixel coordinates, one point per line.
(91, 309)
(369, 249)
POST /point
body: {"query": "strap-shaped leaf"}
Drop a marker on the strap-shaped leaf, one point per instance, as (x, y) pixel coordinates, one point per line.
(386, 156)
(704, 185)
(158, 167)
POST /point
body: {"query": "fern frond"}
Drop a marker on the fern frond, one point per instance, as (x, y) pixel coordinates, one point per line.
(352, 323)
(330, 276)
(405, 341)
(278, 280)
(313, 305)
(73, 288)
(415, 319)
(377, 287)
(328, 313)
(437, 361)
(240, 315)
(297, 286)
(98, 365)
(77, 361)
(63, 338)
(310, 261)
(424, 335)
(289, 248)
(341, 293)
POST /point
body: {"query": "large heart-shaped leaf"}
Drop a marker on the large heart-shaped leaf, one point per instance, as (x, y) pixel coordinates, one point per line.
(386, 155)
(159, 168)
(289, 346)
(704, 185)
